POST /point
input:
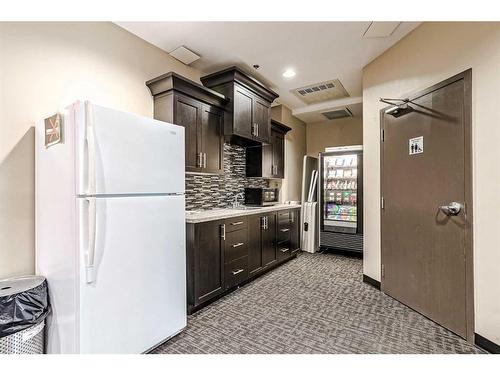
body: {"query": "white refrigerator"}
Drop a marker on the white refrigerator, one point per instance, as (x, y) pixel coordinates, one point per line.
(110, 229)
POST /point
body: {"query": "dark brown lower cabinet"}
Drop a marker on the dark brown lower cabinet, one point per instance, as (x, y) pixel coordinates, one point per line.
(224, 254)
(205, 262)
(255, 227)
(269, 240)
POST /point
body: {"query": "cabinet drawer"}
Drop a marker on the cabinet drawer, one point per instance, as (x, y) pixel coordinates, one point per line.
(284, 233)
(284, 217)
(236, 245)
(236, 223)
(236, 272)
(284, 250)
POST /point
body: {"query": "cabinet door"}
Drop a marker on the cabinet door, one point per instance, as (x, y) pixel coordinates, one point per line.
(295, 230)
(269, 241)
(212, 139)
(255, 224)
(267, 160)
(262, 118)
(242, 116)
(208, 261)
(188, 114)
(278, 141)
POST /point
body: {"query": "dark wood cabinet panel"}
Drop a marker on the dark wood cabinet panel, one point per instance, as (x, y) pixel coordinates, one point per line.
(242, 113)
(188, 114)
(200, 111)
(212, 139)
(261, 119)
(255, 224)
(236, 245)
(288, 233)
(269, 241)
(236, 272)
(249, 109)
(268, 161)
(278, 151)
(208, 261)
(236, 223)
(283, 250)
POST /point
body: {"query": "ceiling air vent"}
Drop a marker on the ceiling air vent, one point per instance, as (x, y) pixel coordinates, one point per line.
(338, 113)
(321, 92)
(184, 55)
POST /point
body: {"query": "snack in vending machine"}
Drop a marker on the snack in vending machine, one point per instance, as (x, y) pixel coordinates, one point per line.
(338, 197)
(345, 197)
(353, 198)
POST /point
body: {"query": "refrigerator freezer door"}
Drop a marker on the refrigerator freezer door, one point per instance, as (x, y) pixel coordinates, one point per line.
(121, 153)
(138, 296)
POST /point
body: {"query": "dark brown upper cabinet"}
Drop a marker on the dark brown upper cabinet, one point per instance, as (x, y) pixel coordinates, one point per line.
(200, 111)
(248, 112)
(268, 161)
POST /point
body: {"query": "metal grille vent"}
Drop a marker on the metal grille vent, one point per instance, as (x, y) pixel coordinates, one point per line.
(338, 113)
(322, 91)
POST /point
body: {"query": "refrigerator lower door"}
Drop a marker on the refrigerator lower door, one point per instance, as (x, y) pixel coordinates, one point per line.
(137, 298)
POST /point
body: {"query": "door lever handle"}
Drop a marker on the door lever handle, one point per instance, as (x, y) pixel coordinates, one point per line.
(453, 209)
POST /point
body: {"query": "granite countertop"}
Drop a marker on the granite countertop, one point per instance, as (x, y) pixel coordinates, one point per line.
(225, 213)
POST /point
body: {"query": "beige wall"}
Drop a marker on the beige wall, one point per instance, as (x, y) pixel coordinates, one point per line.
(341, 132)
(432, 53)
(295, 149)
(43, 67)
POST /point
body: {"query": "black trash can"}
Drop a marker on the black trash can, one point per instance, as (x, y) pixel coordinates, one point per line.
(24, 305)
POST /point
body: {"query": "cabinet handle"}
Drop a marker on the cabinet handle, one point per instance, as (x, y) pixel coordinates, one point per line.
(237, 223)
(238, 244)
(257, 129)
(223, 231)
(284, 250)
(285, 229)
(253, 129)
(292, 217)
(237, 271)
(263, 220)
(204, 160)
(198, 160)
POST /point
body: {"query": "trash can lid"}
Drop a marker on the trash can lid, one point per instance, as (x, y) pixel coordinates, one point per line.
(17, 285)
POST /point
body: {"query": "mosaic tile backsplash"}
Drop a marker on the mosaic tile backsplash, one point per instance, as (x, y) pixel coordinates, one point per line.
(205, 192)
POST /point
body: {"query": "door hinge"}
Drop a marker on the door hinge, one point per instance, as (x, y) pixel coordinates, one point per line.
(382, 202)
(382, 135)
(383, 270)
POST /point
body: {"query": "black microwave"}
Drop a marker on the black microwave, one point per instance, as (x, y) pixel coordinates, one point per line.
(261, 196)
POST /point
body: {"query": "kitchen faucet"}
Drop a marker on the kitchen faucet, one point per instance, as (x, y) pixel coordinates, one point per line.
(235, 199)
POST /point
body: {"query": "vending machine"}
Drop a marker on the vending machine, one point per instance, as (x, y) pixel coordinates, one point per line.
(341, 199)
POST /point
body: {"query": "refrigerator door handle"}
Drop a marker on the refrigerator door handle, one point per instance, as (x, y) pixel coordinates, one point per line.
(90, 251)
(91, 151)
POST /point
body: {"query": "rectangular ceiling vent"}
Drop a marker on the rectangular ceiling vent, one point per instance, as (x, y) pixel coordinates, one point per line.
(338, 113)
(320, 92)
(184, 55)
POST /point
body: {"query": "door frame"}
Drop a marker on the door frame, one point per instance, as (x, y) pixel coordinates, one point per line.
(466, 76)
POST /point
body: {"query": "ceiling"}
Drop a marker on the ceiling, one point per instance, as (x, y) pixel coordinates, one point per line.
(317, 51)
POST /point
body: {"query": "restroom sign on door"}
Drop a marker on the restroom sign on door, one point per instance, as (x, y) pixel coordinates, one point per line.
(416, 145)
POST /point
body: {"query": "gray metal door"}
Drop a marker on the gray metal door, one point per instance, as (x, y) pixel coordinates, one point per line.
(427, 206)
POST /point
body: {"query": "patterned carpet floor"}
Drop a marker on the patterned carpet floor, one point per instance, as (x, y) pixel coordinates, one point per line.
(316, 303)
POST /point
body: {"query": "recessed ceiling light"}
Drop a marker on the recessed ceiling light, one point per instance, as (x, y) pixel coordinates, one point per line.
(289, 73)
